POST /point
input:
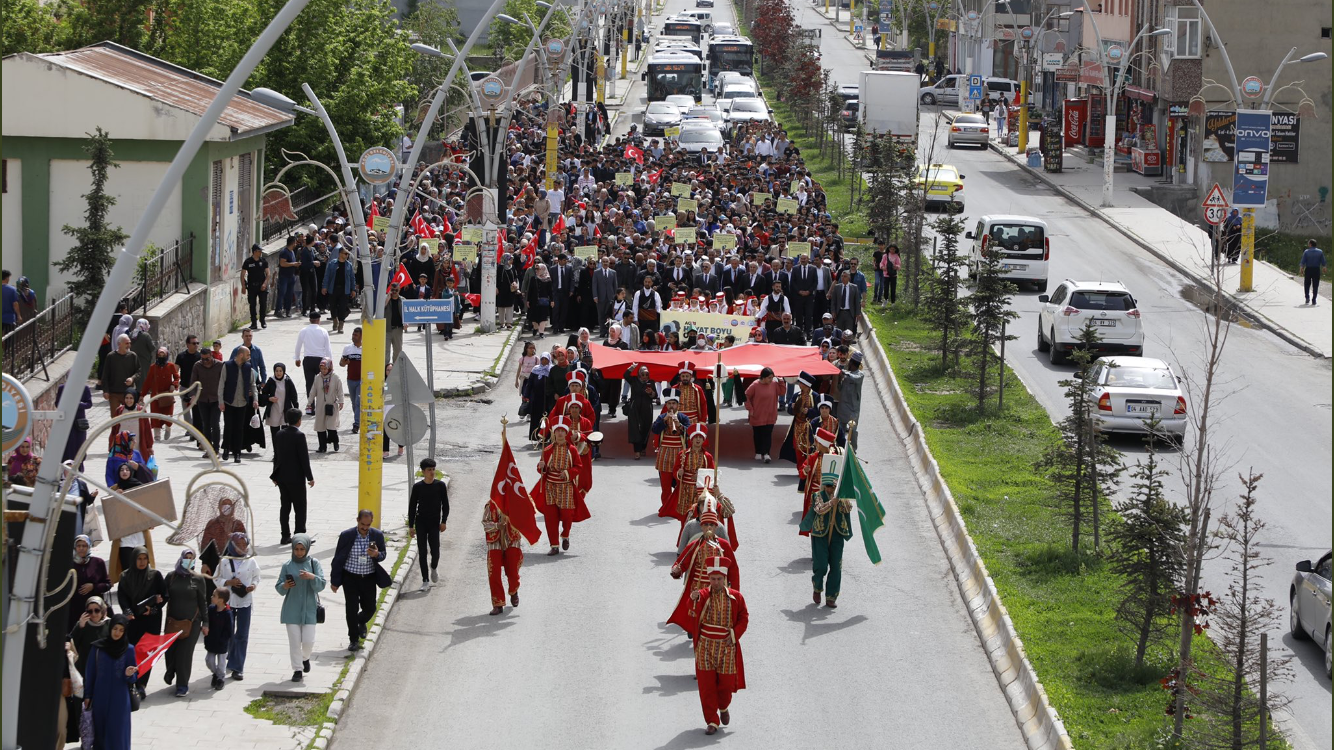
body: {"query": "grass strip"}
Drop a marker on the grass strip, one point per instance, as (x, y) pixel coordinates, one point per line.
(1066, 619)
(1284, 249)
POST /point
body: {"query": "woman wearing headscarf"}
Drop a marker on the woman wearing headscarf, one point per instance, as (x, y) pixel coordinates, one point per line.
(187, 602)
(90, 577)
(122, 549)
(238, 572)
(299, 583)
(278, 395)
(110, 675)
(163, 377)
(90, 624)
(507, 289)
(141, 593)
(18, 461)
(130, 403)
(218, 532)
(535, 394)
(141, 343)
(326, 399)
(79, 432)
(539, 300)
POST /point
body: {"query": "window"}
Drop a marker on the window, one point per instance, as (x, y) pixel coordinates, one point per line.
(1324, 32)
(1184, 20)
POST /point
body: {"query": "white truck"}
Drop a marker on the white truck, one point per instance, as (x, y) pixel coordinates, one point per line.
(889, 102)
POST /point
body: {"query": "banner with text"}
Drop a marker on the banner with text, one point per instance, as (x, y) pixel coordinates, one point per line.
(705, 323)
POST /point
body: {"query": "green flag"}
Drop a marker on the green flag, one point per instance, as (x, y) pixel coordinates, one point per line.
(854, 485)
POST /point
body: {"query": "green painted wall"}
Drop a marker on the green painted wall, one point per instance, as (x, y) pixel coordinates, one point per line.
(37, 153)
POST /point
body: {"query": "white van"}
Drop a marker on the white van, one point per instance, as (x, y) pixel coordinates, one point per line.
(946, 90)
(739, 88)
(1024, 244)
(705, 18)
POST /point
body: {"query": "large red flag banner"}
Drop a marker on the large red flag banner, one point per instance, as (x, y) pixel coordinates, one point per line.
(747, 359)
(511, 497)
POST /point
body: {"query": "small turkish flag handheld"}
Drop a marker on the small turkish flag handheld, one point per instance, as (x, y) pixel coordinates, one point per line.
(634, 153)
(375, 212)
(150, 649)
(500, 244)
(653, 177)
(511, 497)
(402, 278)
(420, 227)
(596, 231)
(530, 253)
(559, 226)
(447, 227)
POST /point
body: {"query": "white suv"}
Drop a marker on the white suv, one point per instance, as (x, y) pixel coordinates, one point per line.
(1023, 242)
(1108, 304)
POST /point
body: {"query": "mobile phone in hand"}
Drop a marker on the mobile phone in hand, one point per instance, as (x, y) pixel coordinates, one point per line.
(290, 578)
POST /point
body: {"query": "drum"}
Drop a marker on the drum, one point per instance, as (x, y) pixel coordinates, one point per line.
(594, 439)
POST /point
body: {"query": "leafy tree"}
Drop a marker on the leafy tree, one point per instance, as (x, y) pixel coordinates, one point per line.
(1082, 468)
(208, 36)
(945, 310)
(124, 22)
(1146, 553)
(433, 23)
(1232, 712)
(509, 41)
(91, 259)
(354, 59)
(29, 26)
(991, 311)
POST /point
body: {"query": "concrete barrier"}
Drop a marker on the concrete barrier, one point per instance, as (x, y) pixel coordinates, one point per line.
(1041, 727)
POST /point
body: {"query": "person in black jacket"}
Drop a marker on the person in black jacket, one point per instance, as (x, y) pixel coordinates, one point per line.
(291, 473)
(357, 565)
(428, 510)
(221, 627)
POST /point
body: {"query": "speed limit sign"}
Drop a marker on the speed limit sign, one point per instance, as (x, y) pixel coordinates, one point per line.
(1215, 214)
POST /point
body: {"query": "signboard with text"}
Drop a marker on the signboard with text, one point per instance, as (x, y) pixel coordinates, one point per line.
(1220, 130)
(421, 311)
(705, 323)
(1250, 179)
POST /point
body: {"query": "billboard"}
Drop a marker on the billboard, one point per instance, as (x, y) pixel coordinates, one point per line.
(1284, 137)
(1250, 178)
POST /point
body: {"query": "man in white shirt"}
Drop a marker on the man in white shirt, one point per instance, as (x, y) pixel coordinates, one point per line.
(312, 345)
(763, 147)
(556, 196)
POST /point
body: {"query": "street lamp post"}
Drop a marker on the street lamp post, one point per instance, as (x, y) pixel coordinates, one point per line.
(1248, 213)
(44, 505)
(932, 11)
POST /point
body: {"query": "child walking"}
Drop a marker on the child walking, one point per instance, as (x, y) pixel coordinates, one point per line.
(219, 635)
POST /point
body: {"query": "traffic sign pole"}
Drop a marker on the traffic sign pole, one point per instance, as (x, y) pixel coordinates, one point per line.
(1247, 250)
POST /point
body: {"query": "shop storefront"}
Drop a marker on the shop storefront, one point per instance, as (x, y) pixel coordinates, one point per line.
(1137, 133)
(1177, 144)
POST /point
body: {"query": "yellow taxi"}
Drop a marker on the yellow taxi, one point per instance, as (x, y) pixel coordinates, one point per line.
(943, 186)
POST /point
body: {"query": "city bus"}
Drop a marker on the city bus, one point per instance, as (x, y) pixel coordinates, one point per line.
(687, 27)
(671, 73)
(730, 53)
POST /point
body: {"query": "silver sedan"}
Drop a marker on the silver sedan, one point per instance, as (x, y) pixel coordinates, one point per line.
(970, 130)
(1309, 604)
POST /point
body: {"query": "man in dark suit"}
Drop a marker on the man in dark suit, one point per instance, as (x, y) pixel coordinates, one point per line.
(733, 274)
(357, 566)
(845, 300)
(291, 473)
(605, 283)
(679, 275)
(707, 280)
(562, 287)
(803, 293)
(788, 333)
(626, 270)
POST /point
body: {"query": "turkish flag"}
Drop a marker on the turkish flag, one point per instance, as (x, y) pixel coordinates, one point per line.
(150, 649)
(420, 227)
(402, 278)
(530, 253)
(447, 227)
(375, 212)
(634, 153)
(559, 226)
(653, 177)
(596, 231)
(500, 244)
(511, 497)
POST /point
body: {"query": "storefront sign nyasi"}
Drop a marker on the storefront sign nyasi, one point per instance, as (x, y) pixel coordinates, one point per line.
(1220, 130)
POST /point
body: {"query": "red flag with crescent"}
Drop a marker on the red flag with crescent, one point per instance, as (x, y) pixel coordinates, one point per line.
(559, 226)
(634, 153)
(511, 497)
(150, 649)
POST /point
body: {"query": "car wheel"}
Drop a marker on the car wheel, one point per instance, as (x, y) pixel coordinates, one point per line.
(928, 99)
(949, 143)
(1295, 620)
(1057, 358)
(1042, 343)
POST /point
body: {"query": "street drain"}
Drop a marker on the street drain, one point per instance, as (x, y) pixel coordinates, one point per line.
(1217, 304)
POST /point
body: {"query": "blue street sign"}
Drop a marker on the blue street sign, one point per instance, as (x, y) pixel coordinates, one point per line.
(1251, 145)
(419, 311)
(975, 87)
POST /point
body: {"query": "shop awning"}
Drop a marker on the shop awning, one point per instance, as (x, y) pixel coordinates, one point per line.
(746, 359)
(1135, 92)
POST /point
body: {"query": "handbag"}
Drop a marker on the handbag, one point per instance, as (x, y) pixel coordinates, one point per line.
(328, 410)
(319, 611)
(543, 301)
(134, 698)
(254, 421)
(239, 589)
(92, 525)
(86, 729)
(82, 424)
(184, 626)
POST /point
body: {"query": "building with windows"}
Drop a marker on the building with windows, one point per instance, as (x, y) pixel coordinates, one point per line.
(148, 107)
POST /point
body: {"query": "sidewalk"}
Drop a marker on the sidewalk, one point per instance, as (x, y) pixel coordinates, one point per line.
(1186, 248)
(841, 25)
(465, 365)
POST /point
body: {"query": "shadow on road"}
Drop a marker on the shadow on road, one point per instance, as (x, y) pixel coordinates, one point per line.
(671, 684)
(692, 738)
(1308, 654)
(653, 519)
(673, 648)
(812, 617)
(476, 626)
(799, 566)
(663, 558)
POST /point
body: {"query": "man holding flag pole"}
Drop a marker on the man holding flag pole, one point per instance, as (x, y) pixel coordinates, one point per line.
(843, 485)
(508, 515)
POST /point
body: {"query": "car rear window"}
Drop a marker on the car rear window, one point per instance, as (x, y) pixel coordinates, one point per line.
(1113, 301)
(970, 119)
(1141, 377)
(1017, 236)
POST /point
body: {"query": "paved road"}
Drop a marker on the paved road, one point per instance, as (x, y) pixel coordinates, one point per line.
(587, 660)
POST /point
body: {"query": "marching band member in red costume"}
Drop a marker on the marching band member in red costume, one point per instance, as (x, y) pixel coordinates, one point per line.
(580, 426)
(670, 427)
(557, 494)
(690, 565)
(705, 492)
(720, 618)
(693, 403)
(818, 417)
(577, 382)
(690, 463)
(502, 553)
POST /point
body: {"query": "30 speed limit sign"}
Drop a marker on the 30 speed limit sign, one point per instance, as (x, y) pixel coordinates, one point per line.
(1215, 214)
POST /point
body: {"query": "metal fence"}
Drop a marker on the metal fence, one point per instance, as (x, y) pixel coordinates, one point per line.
(36, 342)
(162, 274)
(305, 214)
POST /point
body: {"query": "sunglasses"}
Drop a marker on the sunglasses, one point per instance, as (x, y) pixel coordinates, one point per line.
(92, 610)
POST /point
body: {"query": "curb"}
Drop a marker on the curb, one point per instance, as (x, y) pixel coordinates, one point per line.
(1263, 321)
(344, 687)
(486, 382)
(1038, 722)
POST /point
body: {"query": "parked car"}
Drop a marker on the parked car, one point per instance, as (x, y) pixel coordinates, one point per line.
(947, 89)
(969, 129)
(703, 3)
(849, 113)
(1023, 242)
(706, 113)
(682, 102)
(1309, 604)
(746, 109)
(943, 185)
(1133, 391)
(722, 28)
(659, 116)
(849, 91)
(1108, 304)
(696, 137)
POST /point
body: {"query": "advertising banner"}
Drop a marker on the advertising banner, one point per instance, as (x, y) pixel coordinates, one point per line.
(1250, 180)
(1220, 129)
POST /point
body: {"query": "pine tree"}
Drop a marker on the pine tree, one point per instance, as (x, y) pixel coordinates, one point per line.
(1082, 468)
(991, 310)
(1231, 705)
(1146, 552)
(90, 260)
(945, 310)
